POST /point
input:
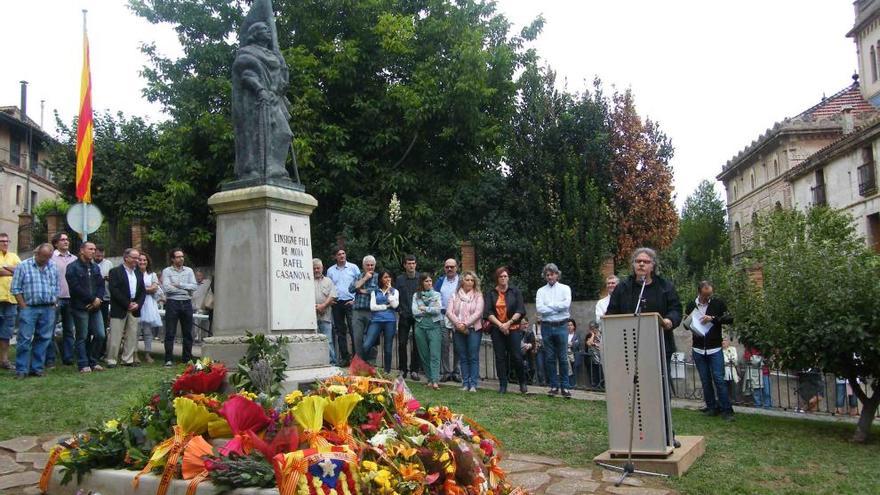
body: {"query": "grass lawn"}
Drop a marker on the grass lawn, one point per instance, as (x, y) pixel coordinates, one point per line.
(755, 454)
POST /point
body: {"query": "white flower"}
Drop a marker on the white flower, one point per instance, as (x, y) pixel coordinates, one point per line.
(381, 438)
(394, 210)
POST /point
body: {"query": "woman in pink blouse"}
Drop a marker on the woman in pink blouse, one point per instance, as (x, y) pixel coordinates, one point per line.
(465, 312)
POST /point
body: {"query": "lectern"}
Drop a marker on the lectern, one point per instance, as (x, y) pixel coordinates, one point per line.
(652, 427)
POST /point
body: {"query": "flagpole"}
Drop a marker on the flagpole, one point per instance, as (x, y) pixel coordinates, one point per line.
(85, 217)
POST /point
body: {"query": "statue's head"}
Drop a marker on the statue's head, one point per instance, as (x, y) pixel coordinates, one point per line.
(258, 33)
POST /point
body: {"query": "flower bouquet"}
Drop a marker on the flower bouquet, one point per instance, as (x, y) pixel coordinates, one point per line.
(201, 377)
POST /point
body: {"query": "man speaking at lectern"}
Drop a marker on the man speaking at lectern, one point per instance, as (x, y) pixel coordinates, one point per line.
(659, 297)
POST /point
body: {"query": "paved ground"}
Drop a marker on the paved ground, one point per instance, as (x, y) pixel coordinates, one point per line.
(22, 460)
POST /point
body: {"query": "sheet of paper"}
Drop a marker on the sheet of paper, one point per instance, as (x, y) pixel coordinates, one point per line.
(700, 328)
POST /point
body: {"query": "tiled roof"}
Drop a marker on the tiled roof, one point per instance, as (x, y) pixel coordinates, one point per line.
(824, 116)
(844, 144)
(848, 97)
(15, 113)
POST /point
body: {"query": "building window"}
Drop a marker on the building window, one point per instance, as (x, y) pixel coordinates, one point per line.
(778, 206)
(775, 168)
(873, 55)
(734, 191)
(14, 151)
(737, 238)
(752, 179)
(867, 176)
(818, 190)
(17, 195)
(33, 201)
(874, 231)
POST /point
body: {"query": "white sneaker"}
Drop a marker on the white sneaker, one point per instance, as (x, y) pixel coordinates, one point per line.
(168, 364)
(473, 389)
(464, 389)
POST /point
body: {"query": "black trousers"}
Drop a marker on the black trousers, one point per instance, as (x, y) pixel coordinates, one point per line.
(406, 326)
(341, 330)
(508, 351)
(178, 311)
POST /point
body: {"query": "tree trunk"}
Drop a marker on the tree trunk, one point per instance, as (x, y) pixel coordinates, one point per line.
(869, 409)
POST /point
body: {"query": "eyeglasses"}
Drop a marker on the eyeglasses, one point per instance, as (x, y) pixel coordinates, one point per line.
(449, 267)
(4, 240)
(644, 262)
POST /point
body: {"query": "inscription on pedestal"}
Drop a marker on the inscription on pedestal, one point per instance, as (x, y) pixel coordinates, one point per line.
(292, 289)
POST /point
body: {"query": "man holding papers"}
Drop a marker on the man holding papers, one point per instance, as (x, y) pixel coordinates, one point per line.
(707, 314)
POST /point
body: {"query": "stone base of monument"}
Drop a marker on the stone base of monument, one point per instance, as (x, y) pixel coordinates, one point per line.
(118, 481)
(676, 464)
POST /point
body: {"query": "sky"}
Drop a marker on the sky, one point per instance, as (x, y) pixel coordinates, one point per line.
(715, 75)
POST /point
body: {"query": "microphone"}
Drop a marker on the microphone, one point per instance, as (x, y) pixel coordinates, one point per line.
(643, 280)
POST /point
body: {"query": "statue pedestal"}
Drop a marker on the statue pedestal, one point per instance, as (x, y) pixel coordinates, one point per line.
(263, 277)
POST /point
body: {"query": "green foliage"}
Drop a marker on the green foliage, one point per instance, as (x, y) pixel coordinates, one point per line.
(261, 370)
(237, 471)
(702, 232)
(817, 304)
(49, 206)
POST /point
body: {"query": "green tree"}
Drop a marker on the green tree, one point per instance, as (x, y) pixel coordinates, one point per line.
(387, 96)
(122, 144)
(702, 230)
(817, 305)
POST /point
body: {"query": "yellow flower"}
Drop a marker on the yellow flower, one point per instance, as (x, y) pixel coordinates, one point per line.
(377, 391)
(248, 395)
(380, 398)
(338, 389)
(444, 457)
(64, 456)
(292, 398)
(383, 478)
(370, 465)
(111, 425)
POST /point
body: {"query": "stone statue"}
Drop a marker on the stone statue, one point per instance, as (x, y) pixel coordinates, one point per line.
(259, 108)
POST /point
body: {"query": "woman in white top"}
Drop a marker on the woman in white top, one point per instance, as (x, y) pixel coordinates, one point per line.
(383, 304)
(150, 320)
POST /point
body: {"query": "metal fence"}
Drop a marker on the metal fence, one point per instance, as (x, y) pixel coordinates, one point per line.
(788, 390)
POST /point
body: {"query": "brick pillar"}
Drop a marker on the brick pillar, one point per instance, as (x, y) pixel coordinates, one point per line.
(606, 270)
(468, 257)
(54, 224)
(138, 234)
(756, 275)
(25, 232)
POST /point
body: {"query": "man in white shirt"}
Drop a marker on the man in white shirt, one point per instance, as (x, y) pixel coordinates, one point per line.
(127, 293)
(552, 304)
(602, 306)
(62, 257)
(446, 286)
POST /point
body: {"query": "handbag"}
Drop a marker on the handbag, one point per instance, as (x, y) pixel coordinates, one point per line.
(688, 321)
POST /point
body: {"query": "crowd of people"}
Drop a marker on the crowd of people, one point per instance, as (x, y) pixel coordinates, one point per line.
(103, 310)
(439, 324)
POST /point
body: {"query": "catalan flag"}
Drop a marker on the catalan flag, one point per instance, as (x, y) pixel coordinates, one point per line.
(85, 129)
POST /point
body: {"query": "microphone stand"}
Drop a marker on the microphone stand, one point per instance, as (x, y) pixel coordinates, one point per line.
(629, 468)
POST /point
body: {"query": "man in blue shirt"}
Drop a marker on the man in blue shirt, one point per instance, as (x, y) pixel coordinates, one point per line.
(343, 274)
(362, 288)
(552, 303)
(35, 287)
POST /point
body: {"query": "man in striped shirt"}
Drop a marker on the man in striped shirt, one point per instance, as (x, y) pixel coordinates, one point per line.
(35, 287)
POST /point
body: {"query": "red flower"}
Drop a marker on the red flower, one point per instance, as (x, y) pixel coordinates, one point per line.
(200, 382)
(375, 419)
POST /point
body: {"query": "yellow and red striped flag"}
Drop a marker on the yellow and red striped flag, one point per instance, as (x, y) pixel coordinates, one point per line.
(85, 128)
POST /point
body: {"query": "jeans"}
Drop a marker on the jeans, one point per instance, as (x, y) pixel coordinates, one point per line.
(67, 335)
(36, 325)
(428, 339)
(178, 311)
(711, 370)
(325, 328)
(90, 336)
(341, 329)
(555, 337)
(387, 329)
(360, 322)
(8, 311)
(841, 397)
(467, 348)
(508, 349)
(448, 352)
(405, 327)
(541, 365)
(762, 395)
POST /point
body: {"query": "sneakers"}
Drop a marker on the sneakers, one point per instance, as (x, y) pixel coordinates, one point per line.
(86, 370)
(6, 365)
(553, 391)
(414, 376)
(169, 364)
(97, 367)
(523, 388)
(566, 394)
(465, 388)
(472, 389)
(20, 376)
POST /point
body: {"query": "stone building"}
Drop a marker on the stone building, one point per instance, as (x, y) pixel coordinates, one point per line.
(866, 35)
(24, 180)
(756, 179)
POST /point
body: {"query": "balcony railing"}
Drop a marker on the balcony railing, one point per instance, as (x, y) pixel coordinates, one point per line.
(867, 179)
(19, 161)
(819, 195)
